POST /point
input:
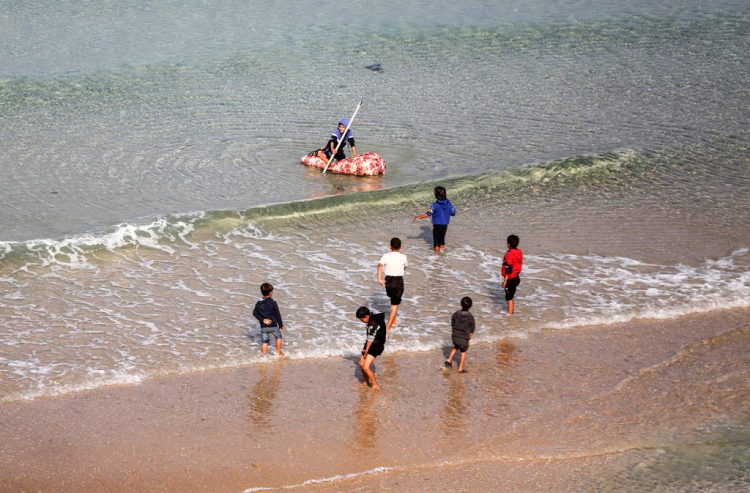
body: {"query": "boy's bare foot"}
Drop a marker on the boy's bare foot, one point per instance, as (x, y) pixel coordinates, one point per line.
(375, 387)
(461, 370)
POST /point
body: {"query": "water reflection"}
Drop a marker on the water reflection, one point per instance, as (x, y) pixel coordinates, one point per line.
(455, 410)
(365, 421)
(506, 356)
(263, 394)
(341, 184)
(506, 359)
(391, 373)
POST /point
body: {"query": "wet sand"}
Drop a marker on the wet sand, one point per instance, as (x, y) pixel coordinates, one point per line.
(572, 410)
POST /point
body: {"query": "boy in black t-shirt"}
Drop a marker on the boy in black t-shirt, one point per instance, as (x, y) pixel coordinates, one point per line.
(374, 344)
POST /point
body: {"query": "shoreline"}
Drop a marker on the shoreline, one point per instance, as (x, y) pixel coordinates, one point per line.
(543, 411)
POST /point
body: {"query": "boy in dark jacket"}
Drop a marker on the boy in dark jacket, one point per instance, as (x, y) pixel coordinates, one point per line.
(462, 324)
(267, 313)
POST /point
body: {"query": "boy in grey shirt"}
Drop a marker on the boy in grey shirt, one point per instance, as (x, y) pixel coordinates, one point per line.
(463, 326)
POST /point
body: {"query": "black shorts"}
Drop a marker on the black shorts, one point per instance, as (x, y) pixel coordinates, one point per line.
(394, 288)
(340, 156)
(376, 349)
(461, 344)
(510, 287)
(438, 234)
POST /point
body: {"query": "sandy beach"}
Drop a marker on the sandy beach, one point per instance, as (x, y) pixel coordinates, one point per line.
(580, 410)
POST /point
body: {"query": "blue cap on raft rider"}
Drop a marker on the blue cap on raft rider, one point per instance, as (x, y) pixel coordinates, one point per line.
(340, 130)
(336, 136)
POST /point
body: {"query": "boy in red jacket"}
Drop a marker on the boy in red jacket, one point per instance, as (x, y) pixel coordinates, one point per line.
(512, 265)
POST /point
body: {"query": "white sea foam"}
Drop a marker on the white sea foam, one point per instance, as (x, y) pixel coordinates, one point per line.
(330, 479)
(74, 251)
(60, 390)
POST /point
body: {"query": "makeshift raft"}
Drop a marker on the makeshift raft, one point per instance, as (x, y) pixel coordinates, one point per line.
(367, 164)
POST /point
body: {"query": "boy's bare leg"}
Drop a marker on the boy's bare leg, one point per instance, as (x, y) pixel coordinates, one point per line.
(279, 352)
(369, 373)
(362, 367)
(450, 357)
(391, 318)
(461, 362)
(511, 305)
(264, 348)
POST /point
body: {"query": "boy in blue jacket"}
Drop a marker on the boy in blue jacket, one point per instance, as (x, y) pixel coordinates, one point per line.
(441, 211)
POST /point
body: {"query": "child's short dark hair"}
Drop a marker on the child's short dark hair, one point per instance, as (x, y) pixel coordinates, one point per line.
(440, 193)
(395, 243)
(513, 241)
(362, 312)
(466, 303)
(266, 288)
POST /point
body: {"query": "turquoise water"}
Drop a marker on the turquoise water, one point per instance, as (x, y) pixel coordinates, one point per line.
(125, 112)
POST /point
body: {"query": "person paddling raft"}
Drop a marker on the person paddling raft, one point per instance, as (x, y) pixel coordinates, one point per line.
(338, 135)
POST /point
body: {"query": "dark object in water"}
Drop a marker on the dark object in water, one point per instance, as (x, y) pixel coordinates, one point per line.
(375, 67)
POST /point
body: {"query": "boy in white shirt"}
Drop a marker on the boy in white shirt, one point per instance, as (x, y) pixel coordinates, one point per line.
(392, 265)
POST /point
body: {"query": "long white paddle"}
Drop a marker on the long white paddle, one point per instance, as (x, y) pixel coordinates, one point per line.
(343, 136)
